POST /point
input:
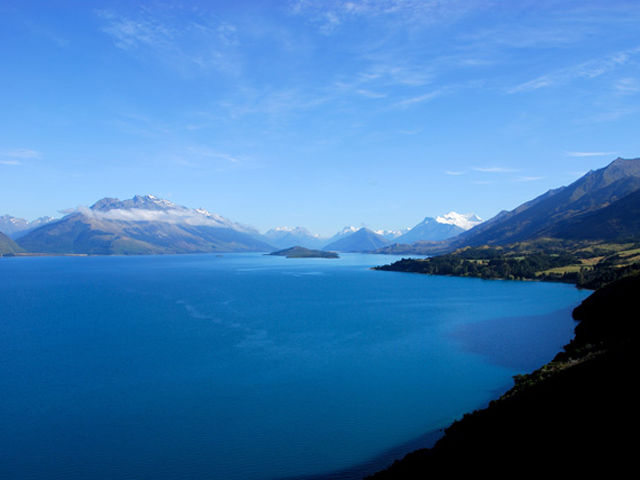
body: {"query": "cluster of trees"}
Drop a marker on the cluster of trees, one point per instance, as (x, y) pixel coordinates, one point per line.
(547, 261)
(491, 266)
(604, 274)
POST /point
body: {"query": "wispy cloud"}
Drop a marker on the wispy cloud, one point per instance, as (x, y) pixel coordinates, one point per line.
(22, 153)
(627, 86)
(586, 70)
(589, 154)
(172, 214)
(207, 153)
(528, 179)
(494, 169)
(277, 105)
(330, 15)
(182, 42)
(427, 97)
(130, 33)
(369, 94)
(16, 156)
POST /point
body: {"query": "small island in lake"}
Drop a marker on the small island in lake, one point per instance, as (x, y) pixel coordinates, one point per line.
(302, 252)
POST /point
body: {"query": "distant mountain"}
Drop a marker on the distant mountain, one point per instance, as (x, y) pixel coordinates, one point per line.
(362, 240)
(142, 225)
(285, 237)
(392, 235)
(345, 232)
(575, 211)
(8, 246)
(15, 227)
(440, 228)
(465, 221)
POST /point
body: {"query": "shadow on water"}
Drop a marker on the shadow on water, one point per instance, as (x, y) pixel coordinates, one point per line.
(523, 343)
(504, 341)
(382, 461)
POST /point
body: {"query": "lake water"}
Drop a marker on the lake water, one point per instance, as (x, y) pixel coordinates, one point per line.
(247, 366)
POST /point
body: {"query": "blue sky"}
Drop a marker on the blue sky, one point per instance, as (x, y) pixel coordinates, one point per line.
(307, 113)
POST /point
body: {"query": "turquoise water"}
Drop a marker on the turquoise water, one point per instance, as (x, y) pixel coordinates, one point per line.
(249, 366)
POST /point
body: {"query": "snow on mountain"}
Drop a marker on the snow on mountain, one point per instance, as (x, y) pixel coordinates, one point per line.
(290, 230)
(346, 231)
(362, 240)
(142, 225)
(149, 208)
(15, 227)
(440, 228)
(9, 224)
(465, 221)
(286, 237)
(391, 234)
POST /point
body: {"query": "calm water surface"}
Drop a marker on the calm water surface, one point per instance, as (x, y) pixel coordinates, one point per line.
(249, 366)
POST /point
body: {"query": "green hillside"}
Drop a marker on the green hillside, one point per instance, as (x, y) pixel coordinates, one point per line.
(8, 246)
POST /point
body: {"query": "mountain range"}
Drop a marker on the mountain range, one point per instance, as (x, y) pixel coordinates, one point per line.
(141, 225)
(602, 205)
(440, 228)
(362, 240)
(151, 225)
(15, 227)
(286, 237)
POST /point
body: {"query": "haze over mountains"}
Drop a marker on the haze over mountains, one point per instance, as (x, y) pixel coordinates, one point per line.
(604, 204)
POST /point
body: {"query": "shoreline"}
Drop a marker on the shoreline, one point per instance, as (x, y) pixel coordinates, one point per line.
(572, 415)
(379, 462)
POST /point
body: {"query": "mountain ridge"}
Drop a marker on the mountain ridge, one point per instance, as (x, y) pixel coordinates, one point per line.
(440, 228)
(577, 210)
(363, 240)
(594, 205)
(15, 227)
(141, 225)
(286, 237)
(542, 215)
(8, 246)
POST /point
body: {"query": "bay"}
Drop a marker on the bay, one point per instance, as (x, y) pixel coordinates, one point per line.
(247, 366)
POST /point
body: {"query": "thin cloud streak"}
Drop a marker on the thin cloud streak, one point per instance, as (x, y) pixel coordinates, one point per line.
(422, 98)
(494, 169)
(586, 70)
(23, 153)
(184, 45)
(589, 154)
(330, 16)
(529, 179)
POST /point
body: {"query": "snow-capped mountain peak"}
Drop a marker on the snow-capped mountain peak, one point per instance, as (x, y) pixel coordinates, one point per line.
(392, 234)
(464, 221)
(347, 231)
(285, 237)
(291, 230)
